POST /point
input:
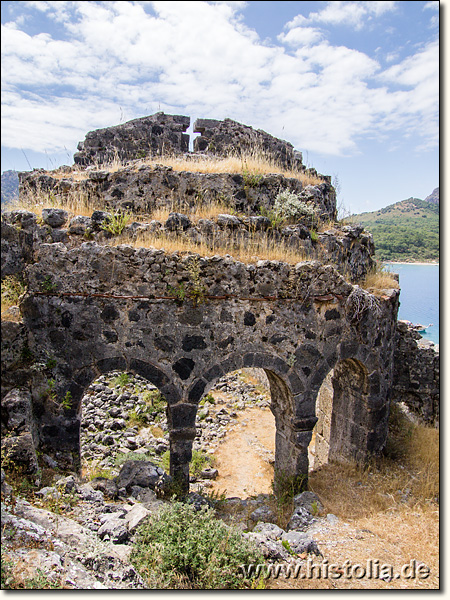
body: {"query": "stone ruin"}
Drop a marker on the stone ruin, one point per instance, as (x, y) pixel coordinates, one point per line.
(184, 321)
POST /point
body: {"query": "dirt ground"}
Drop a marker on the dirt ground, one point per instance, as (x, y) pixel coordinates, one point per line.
(245, 458)
(245, 463)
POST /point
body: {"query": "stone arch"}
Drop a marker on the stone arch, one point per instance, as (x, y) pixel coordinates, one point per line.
(294, 416)
(64, 431)
(345, 414)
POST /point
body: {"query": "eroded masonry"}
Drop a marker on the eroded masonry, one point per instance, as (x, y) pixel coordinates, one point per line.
(182, 320)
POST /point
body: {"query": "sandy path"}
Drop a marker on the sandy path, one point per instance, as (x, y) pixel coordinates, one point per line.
(245, 457)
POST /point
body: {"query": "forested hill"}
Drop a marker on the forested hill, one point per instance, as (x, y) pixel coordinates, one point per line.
(405, 231)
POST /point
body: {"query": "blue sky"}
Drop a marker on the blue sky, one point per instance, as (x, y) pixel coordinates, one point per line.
(353, 85)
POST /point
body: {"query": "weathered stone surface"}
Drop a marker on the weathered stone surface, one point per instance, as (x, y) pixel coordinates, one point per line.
(264, 514)
(301, 542)
(141, 473)
(108, 487)
(269, 530)
(416, 374)
(55, 217)
(16, 249)
(301, 519)
(147, 136)
(67, 553)
(308, 500)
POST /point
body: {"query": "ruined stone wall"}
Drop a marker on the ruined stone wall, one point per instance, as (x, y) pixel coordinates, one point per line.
(160, 134)
(143, 188)
(416, 374)
(224, 138)
(148, 136)
(348, 248)
(183, 322)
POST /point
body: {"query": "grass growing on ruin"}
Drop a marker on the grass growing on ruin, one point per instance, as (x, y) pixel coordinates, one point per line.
(387, 510)
(251, 165)
(247, 250)
(378, 281)
(394, 499)
(75, 202)
(407, 474)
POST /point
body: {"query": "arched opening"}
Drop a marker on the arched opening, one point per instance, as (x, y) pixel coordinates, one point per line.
(235, 442)
(122, 417)
(342, 415)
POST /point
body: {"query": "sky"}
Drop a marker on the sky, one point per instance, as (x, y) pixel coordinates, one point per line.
(353, 85)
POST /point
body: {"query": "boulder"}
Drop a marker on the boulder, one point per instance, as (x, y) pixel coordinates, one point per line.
(301, 542)
(108, 487)
(264, 514)
(310, 501)
(300, 520)
(142, 473)
(55, 217)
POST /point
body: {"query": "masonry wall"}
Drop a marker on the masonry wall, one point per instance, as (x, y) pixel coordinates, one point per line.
(417, 374)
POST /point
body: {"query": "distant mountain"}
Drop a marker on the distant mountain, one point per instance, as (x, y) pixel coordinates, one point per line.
(405, 231)
(10, 186)
(433, 197)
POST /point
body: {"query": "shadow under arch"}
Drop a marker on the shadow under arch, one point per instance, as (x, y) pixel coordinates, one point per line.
(345, 418)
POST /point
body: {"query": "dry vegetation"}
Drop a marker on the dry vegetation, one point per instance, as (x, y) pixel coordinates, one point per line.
(247, 250)
(379, 281)
(255, 163)
(389, 510)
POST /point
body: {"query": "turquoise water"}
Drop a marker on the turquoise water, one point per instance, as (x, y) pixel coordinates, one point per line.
(419, 296)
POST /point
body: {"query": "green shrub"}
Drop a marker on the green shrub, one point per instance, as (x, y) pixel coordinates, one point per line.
(291, 209)
(120, 380)
(182, 548)
(117, 223)
(123, 457)
(200, 460)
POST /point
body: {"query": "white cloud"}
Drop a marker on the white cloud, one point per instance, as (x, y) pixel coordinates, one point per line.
(351, 13)
(200, 59)
(301, 36)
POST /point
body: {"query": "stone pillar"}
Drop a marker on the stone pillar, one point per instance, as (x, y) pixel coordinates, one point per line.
(180, 457)
(181, 421)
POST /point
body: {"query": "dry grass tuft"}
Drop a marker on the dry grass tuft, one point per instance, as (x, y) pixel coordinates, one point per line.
(255, 163)
(251, 165)
(75, 202)
(247, 250)
(388, 510)
(407, 474)
(205, 209)
(377, 282)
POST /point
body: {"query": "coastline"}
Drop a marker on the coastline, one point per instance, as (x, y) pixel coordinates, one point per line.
(392, 262)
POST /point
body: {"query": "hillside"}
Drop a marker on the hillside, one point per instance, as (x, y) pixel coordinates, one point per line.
(10, 186)
(405, 231)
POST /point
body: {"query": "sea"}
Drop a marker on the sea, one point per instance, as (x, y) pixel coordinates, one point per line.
(419, 296)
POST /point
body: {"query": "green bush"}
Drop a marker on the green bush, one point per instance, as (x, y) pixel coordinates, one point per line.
(117, 223)
(200, 460)
(290, 209)
(182, 548)
(121, 380)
